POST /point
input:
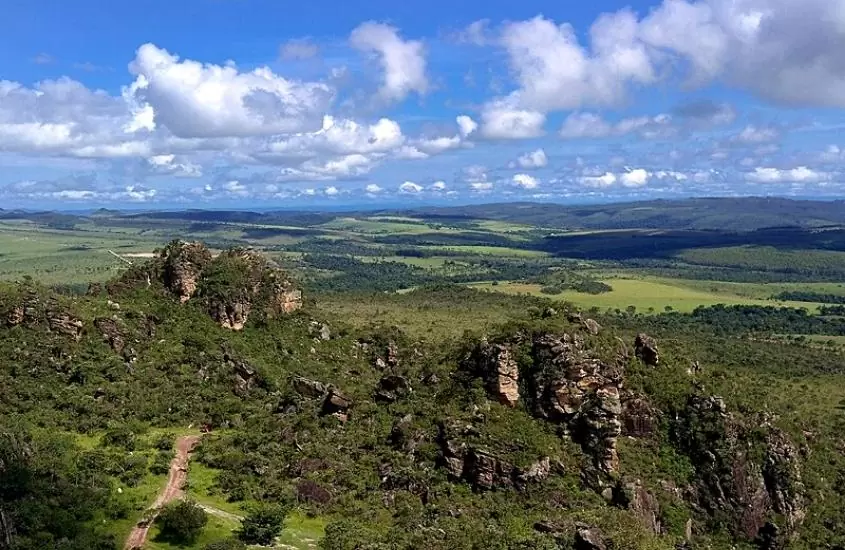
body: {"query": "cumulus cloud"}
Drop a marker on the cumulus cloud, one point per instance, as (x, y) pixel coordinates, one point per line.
(410, 188)
(534, 159)
(195, 100)
(466, 125)
(438, 186)
(501, 120)
(525, 181)
(801, 174)
(637, 177)
(339, 137)
(555, 72)
(403, 61)
(169, 165)
(373, 189)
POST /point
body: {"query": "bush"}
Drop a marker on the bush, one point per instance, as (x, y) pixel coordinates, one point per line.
(182, 521)
(263, 524)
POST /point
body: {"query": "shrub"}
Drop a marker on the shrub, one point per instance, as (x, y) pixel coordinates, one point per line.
(182, 521)
(263, 524)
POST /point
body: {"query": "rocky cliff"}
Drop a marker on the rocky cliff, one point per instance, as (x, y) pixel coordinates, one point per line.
(232, 286)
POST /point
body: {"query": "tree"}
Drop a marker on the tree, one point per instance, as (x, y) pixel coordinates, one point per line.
(263, 524)
(182, 521)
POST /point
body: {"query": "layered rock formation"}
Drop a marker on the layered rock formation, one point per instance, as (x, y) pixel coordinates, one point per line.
(232, 287)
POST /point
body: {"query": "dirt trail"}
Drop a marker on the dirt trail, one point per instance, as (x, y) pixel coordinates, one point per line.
(172, 491)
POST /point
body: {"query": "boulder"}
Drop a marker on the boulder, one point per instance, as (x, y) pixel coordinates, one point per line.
(16, 316)
(592, 326)
(336, 404)
(65, 324)
(308, 388)
(645, 349)
(588, 538)
(782, 476)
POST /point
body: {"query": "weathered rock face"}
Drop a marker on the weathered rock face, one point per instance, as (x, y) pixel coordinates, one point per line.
(232, 286)
(182, 265)
(112, 333)
(581, 392)
(631, 495)
(645, 348)
(639, 418)
(230, 315)
(782, 475)
(65, 324)
(479, 467)
(731, 482)
(495, 362)
(16, 316)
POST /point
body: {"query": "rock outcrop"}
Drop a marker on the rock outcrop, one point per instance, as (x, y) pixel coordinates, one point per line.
(233, 286)
(645, 348)
(730, 481)
(575, 389)
(337, 404)
(639, 418)
(588, 538)
(633, 496)
(182, 264)
(497, 365)
(480, 467)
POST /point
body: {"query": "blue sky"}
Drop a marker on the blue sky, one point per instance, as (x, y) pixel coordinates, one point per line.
(221, 103)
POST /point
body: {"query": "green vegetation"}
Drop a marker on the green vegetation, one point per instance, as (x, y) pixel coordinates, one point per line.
(382, 414)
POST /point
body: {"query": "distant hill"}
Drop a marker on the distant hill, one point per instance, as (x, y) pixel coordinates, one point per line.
(727, 214)
(705, 214)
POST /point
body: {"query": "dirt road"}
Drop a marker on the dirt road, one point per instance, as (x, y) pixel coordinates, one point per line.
(172, 491)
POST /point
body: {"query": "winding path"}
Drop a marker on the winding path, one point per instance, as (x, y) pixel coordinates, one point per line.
(172, 491)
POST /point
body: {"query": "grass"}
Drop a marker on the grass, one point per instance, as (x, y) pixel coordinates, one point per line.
(767, 258)
(426, 314)
(647, 294)
(499, 251)
(374, 226)
(216, 529)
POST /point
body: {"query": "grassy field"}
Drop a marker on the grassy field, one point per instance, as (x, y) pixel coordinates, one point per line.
(499, 251)
(648, 295)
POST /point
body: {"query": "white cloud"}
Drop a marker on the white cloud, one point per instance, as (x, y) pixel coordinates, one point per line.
(331, 191)
(481, 186)
(373, 189)
(477, 33)
(501, 120)
(753, 135)
(801, 174)
(193, 100)
(534, 159)
(438, 186)
(403, 61)
(555, 72)
(466, 125)
(635, 178)
(410, 188)
(339, 137)
(167, 164)
(525, 181)
(605, 180)
(589, 125)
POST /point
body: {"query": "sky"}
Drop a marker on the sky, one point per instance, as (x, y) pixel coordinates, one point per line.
(272, 104)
